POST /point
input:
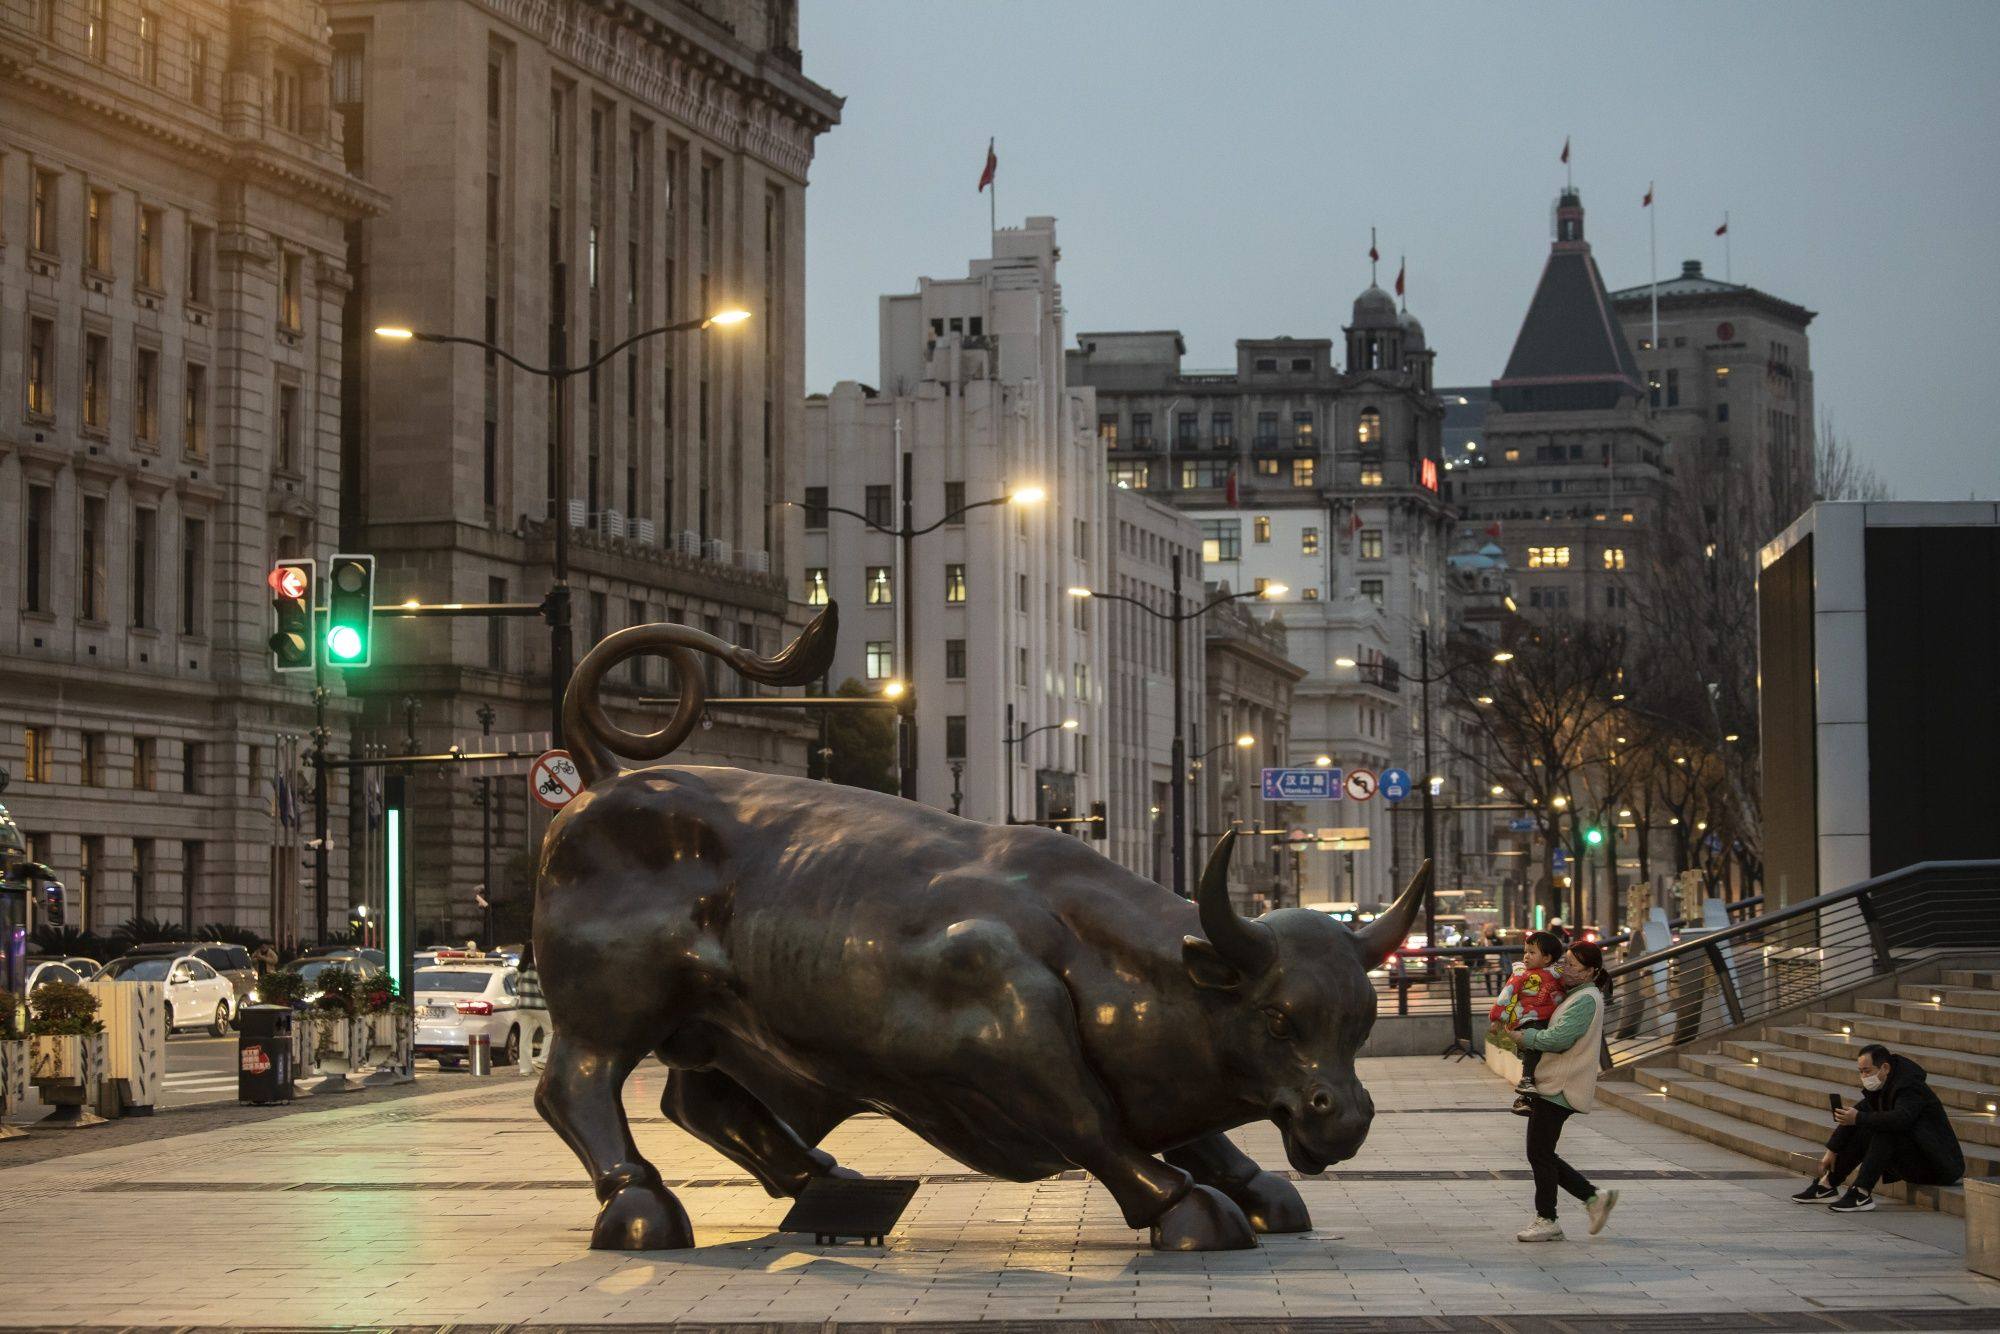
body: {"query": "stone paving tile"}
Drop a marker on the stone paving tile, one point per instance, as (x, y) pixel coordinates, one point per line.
(409, 1212)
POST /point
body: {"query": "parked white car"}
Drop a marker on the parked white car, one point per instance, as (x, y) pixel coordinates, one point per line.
(197, 995)
(460, 998)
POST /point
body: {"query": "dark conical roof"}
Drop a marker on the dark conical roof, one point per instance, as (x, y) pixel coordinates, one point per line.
(1571, 354)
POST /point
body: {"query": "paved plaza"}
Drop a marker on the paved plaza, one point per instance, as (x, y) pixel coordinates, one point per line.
(459, 1206)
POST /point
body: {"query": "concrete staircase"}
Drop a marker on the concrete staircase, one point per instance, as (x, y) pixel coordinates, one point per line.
(1762, 1090)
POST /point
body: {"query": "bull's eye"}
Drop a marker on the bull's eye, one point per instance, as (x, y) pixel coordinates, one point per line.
(1279, 1025)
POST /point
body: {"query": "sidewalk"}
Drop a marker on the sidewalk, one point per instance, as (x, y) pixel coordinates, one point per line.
(460, 1206)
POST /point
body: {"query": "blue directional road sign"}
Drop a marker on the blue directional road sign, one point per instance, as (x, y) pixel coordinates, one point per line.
(1395, 784)
(1302, 784)
(1561, 858)
(1520, 824)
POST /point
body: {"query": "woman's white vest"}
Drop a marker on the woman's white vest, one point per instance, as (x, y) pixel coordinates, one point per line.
(1573, 1073)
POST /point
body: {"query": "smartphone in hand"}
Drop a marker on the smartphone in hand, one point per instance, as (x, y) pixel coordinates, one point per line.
(1833, 1101)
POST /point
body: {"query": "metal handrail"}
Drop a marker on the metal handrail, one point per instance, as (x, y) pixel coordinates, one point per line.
(1759, 925)
(1754, 970)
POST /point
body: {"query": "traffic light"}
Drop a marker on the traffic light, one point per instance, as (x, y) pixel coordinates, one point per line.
(350, 610)
(1100, 828)
(1593, 836)
(292, 616)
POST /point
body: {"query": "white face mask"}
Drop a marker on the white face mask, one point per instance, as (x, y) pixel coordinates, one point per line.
(1871, 1082)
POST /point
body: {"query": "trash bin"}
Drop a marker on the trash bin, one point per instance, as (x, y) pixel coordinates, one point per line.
(264, 1054)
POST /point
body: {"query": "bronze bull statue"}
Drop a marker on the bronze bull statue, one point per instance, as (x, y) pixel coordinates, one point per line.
(797, 952)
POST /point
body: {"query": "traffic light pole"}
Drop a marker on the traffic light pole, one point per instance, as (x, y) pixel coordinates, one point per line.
(321, 890)
(558, 605)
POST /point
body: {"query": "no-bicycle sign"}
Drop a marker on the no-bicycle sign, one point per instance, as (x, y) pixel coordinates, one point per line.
(554, 780)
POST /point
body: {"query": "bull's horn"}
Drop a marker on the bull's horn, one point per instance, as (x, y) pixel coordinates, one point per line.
(1386, 934)
(1246, 945)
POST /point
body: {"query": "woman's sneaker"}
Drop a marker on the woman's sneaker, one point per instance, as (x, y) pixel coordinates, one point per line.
(1520, 1107)
(1816, 1193)
(1856, 1201)
(1599, 1207)
(1542, 1229)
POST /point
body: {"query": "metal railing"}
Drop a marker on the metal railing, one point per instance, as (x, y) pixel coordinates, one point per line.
(1750, 972)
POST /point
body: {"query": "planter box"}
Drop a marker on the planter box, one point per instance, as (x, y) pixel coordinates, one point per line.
(1982, 1225)
(13, 1074)
(391, 1038)
(340, 1044)
(302, 1044)
(61, 1062)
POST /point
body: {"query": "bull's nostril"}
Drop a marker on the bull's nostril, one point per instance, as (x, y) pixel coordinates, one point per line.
(1321, 1102)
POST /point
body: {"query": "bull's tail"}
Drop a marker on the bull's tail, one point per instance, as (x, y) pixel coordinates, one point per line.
(595, 741)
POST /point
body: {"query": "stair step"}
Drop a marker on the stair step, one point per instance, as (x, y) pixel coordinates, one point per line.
(1778, 1114)
(1966, 998)
(1810, 1091)
(1893, 1032)
(1783, 1051)
(1938, 1016)
(1784, 1151)
(1969, 1066)
(1984, 979)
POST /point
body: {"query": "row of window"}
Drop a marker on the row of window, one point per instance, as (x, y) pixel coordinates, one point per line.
(94, 396)
(1222, 539)
(1222, 430)
(91, 863)
(91, 599)
(1558, 558)
(100, 253)
(1546, 598)
(37, 752)
(1304, 472)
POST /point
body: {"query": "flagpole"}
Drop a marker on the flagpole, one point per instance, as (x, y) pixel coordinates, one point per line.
(1371, 256)
(1653, 257)
(1728, 269)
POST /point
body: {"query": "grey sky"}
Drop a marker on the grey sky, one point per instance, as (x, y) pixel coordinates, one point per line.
(1215, 167)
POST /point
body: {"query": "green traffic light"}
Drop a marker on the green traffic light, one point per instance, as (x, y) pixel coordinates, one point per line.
(1593, 836)
(344, 642)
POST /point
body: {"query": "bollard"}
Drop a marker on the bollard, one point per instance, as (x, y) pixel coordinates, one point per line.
(479, 1054)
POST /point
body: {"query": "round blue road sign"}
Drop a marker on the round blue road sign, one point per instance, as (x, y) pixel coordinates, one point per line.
(1395, 784)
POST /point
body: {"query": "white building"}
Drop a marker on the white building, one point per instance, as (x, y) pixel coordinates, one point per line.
(1145, 537)
(974, 388)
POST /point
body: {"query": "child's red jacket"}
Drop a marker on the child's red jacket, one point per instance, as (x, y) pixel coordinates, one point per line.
(1531, 994)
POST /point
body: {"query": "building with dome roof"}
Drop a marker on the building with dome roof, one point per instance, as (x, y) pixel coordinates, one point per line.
(1314, 463)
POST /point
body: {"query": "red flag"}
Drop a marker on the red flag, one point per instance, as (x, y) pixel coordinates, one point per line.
(1647, 202)
(1229, 488)
(1723, 230)
(992, 165)
(1401, 267)
(1565, 156)
(1354, 525)
(1373, 253)
(1493, 530)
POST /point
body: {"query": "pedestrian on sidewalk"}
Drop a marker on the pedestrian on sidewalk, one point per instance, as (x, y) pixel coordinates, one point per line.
(1899, 1131)
(1566, 1084)
(1529, 1000)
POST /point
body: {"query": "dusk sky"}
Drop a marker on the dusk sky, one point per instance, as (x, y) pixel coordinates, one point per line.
(1215, 168)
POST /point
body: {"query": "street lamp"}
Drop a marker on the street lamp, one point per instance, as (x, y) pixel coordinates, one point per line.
(558, 609)
(1014, 738)
(1425, 679)
(1178, 618)
(906, 535)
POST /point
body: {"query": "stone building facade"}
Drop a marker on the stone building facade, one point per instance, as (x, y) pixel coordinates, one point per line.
(973, 390)
(173, 279)
(1314, 464)
(1139, 652)
(1730, 387)
(1250, 682)
(567, 175)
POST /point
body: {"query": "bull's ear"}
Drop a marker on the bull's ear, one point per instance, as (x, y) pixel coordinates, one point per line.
(1207, 967)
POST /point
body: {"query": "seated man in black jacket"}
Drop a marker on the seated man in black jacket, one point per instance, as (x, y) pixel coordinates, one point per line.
(1898, 1132)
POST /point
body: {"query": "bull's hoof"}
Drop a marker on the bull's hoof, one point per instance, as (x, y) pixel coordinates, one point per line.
(641, 1217)
(1204, 1220)
(1272, 1204)
(825, 1165)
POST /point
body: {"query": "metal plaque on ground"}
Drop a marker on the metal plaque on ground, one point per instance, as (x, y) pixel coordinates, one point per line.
(834, 1207)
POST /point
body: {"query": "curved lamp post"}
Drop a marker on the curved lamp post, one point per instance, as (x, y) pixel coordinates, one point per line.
(558, 610)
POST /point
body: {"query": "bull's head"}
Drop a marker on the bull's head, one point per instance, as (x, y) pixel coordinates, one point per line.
(1303, 1006)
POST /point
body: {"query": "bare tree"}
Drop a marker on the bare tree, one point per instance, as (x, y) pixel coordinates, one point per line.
(1838, 472)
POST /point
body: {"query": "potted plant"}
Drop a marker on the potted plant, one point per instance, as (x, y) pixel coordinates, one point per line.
(13, 1057)
(340, 1033)
(66, 1056)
